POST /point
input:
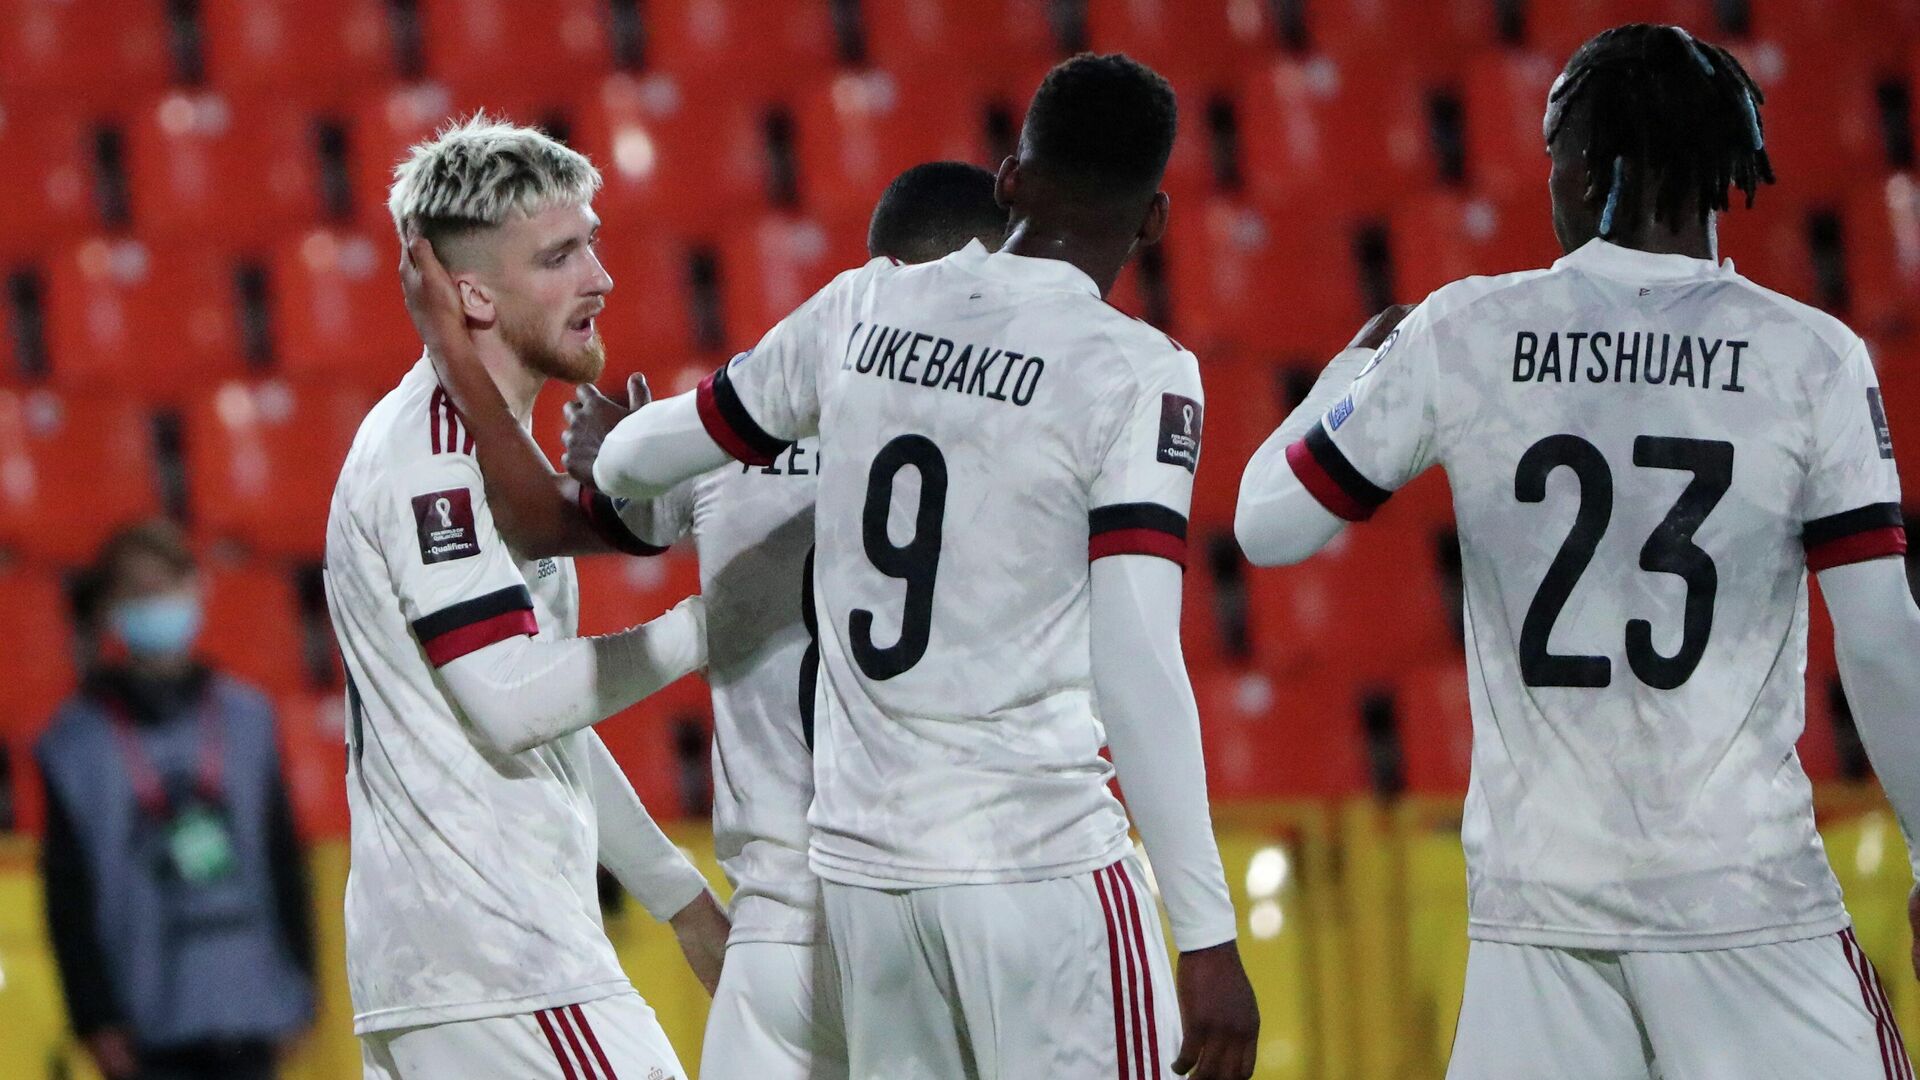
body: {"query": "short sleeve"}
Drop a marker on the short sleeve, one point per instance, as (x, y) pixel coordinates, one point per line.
(1851, 507)
(1144, 484)
(764, 400)
(458, 584)
(1380, 434)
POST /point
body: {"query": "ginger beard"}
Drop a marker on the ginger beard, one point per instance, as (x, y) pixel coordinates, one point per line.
(552, 347)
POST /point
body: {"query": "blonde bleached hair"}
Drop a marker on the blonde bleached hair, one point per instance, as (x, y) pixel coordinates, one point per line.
(478, 172)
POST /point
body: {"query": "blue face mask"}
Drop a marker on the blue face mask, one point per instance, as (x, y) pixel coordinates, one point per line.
(158, 627)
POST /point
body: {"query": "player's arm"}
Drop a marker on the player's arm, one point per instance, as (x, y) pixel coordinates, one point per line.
(1854, 534)
(1137, 545)
(1312, 475)
(521, 692)
(751, 410)
(541, 513)
(653, 868)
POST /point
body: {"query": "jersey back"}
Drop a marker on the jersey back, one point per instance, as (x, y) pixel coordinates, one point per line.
(1646, 453)
(991, 425)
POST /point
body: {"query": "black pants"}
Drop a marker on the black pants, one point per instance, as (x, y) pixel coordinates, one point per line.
(209, 1061)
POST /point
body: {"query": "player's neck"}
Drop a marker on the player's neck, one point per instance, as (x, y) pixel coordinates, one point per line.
(1695, 240)
(1101, 262)
(519, 385)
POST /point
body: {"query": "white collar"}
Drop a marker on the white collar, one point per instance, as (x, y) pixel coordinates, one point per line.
(1024, 270)
(1631, 264)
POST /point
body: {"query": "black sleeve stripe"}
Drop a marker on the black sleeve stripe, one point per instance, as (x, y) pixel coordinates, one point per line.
(1341, 471)
(468, 612)
(1153, 516)
(1862, 519)
(727, 400)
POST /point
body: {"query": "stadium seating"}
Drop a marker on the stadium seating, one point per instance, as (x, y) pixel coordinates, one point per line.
(311, 52)
(742, 47)
(860, 129)
(1340, 134)
(1831, 134)
(132, 315)
(1558, 27)
(89, 53)
(337, 308)
(218, 168)
(73, 467)
(312, 726)
(1445, 236)
(40, 668)
(770, 265)
(1505, 96)
(262, 458)
(510, 44)
(253, 628)
(1197, 42)
(1006, 36)
(1247, 274)
(46, 186)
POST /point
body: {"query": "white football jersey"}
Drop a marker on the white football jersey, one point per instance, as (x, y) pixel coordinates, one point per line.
(472, 890)
(1647, 453)
(991, 425)
(752, 528)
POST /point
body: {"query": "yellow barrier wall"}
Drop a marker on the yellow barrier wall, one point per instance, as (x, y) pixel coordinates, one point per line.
(1352, 924)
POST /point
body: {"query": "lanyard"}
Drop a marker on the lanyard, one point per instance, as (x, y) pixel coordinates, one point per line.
(148, 785)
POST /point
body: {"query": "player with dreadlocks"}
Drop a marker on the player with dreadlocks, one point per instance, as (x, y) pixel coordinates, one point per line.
(1648, 453)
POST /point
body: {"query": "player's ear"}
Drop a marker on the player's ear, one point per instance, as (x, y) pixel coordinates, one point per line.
(1154, 225)
(476, 300)
(1007, 182)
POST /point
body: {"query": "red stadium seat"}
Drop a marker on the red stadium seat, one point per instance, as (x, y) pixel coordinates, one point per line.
(262, 458)
(73, 468)
(40, 668)
(316, 52)
(231, 170)
(1279, 737)
(618, 591)
(1445, 236)
(512, 43)
(1352, 134)
(1506, 104)
(672, 154)
(90, 52)
(1771, 243)
(1245, 402)
(859, 130)
(46, 184)
(1246, 274)
(1821, 115)
(337, 306)
(650, 312)
(313, 758)
(1436, 727)
(1557, 27)
(1007, 36)
(252, 627)
(1881, 238)
(1381, 31)
(741, 47)
(771, 265)
(1871, 33)
(124, 313)
(1205, 42)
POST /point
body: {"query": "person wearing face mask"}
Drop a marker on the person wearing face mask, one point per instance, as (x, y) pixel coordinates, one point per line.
(175, 892)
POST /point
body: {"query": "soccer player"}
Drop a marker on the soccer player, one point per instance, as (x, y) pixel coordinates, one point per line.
(753, 530)
(1648, 452)
(481, 800)
(1000, 530)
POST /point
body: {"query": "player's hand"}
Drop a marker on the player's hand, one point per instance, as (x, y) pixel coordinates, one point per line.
(1374, 334)
(702, 929)
(590, 415)
(1913, 923)
(112, 1053)
(433, 303)
(1219, 1013)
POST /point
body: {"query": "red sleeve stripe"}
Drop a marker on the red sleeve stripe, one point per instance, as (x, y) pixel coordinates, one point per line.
(449, 434)
(453, 632)
(728, 423)
(1137, 529)
(1873, 531)
(605, 519)
(1331, 479)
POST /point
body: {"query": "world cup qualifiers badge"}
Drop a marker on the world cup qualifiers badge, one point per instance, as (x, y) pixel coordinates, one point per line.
(444, 520)
(1180, 419)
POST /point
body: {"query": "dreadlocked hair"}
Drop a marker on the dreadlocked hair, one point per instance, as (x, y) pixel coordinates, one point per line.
(1681, 111)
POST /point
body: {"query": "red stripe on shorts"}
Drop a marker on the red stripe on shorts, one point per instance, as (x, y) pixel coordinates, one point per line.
(559, 1054)
(593, 1041)
(1134, 960)
(573, 1040)
(1858, 964)
(1113, 963)
(1902, 1064)
(1146, 968)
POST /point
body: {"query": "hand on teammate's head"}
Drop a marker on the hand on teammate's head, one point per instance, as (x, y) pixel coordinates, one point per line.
(590, 416)
(1374, 334)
